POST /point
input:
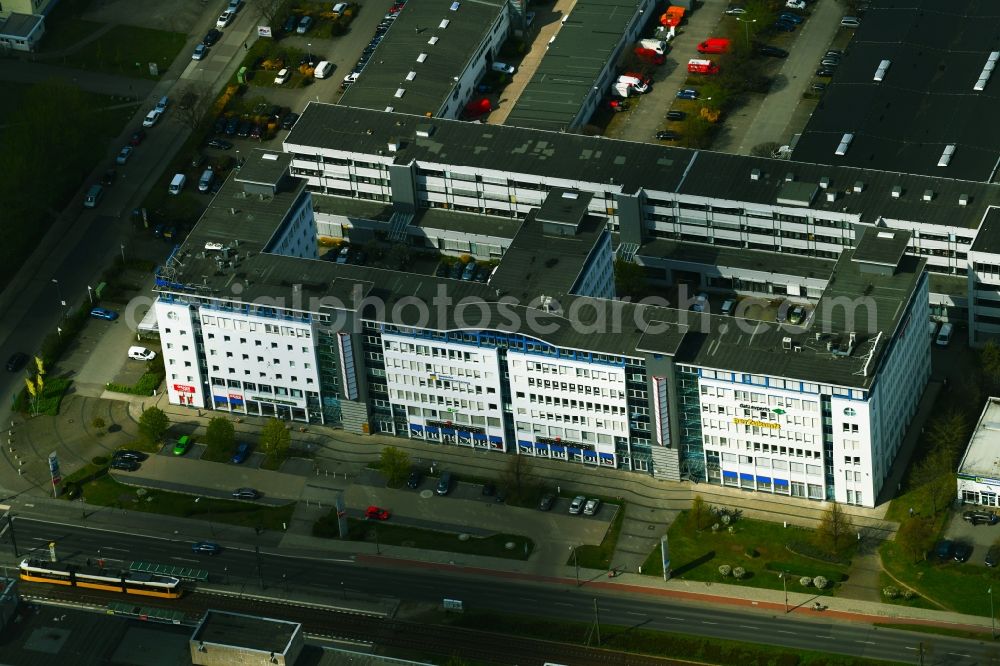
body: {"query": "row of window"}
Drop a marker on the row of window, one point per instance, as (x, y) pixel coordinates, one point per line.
(436, 352)
(447, 370)
(775, 463)
(571, 434)
(226, 323)
(555, 401)
(437, 399)
(267, 389)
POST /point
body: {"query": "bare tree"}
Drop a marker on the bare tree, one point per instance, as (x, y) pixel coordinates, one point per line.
(195, 101)
(270, 10)
(519, 479)
(834, 530)
(915, 537)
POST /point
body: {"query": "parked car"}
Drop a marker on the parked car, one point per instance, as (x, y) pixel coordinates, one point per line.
(211, 37)
(123, 155)
(340, 8)
(243, 129)
(151, 118)
(343, 255)
(944, 549)
(700, 302)
(137, 137)
(676, 115)
(234, 6)
(221, 144)
(130, 454)
(444, 484)
(182, 445)
(225, 19)
(289, 121)
(687, 93)
(246, 493)
(667, 135)
(545, 504)
(576, 506)
(376, 513)
(141, 353)
(200, 51)
(232, 126)
(304, 25)
(241, 455)
(850, 22)
(591, 507)
(414, 479)
(103, 313)
(961, 551)
(772, 51)
(993, 556)
(489, 489)
(788, 16)
(282, 77)
(829, 61)
(469, 271)
(206, 548)
(797, 314)
(825, 72)
(981, 517)
(784, 26)
(124, 464)
(501, 67)
(456, 270)
(108, 179)
(736, 11)
(796, 4)
(16, 361)
(290, 23)
(818, 87)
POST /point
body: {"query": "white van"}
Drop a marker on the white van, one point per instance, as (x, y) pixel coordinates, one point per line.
(177, 184)
(323, 69)
(93, 196)
(944, 335)
(205, 182)
(654, 45)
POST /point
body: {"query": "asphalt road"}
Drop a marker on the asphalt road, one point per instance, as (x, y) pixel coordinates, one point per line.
(340, 579)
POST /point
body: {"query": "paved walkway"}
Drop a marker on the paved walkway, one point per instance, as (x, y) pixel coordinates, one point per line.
(21, 71)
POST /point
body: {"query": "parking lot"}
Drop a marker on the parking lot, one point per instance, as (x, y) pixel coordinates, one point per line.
(980, 537)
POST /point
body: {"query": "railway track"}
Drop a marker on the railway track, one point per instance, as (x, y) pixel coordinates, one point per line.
(380, 633)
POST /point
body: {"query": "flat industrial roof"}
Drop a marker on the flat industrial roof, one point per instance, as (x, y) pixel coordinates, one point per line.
(20, 25)
(572, 64)
(245, 631)
(632, 166)
(982, 455)
(988, 238)
(447, 34)
(925, 100)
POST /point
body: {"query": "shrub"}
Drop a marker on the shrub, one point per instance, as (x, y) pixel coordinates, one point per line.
(739, 573)
(100, 461)
(820, 582)
(908, 594)
(715, 527)
(98, 423)
(890, 591)
(805, 581)
(725, 570)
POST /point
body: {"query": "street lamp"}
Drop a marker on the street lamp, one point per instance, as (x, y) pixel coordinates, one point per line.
(90, 294)
(784, 586)
(122, 245)
(993, 622)
(59, 292)
(746, 27)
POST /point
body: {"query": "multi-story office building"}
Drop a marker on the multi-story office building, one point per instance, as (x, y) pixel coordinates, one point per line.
(541, 360)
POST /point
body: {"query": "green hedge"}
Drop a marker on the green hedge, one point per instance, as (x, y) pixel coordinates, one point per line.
(800, 570)
(145, 386)
(48, 403)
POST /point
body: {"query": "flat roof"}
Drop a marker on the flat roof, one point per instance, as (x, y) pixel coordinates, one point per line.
(466, 223)
(925, 100)
(572, 64)
(434, 76)
(245, 631)
(632, 166)
(982, 455)
(883, 246)
(20, 25)
(988, 238)
(739, 258)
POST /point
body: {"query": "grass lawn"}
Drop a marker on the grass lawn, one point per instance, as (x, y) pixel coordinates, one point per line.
(938, 631)
(118, 51)
(63, 32)
(698, 555)
(644, 641)
(105, 491)
(390, 534)
(957, 587)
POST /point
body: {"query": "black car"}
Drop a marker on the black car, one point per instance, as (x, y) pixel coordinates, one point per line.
(130, 454)
(961, 551)
(289, 121)
(667, 135)
(981, 517)
(17, 361)
(824, 71)
(246, 493)
(489, 489)
(414, 480)
(944, 549)
(818, 87)
(243, 129)
(124, 464)
(290, 23)
(548, 499)
(221, 144)
(220, 125)
(232, 126)
(108, 179)
(993, 556)
(442, 270)
(772, 51)
(212, 37)
(676, 115)
(309, 59)
(216, 185)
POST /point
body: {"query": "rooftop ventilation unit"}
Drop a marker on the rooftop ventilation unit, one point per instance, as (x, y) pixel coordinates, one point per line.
(786, 343)
(400, 92)
(949, 150)
(389, 109)
(859, 187)
(845, 142)
(831, 195)
(755, 174)
(789, 177)
(984, 76)
(883, 67)
(443, 24)
(963, 199)
(454, 6)
(897, 191)
(432, 41)
(824, 182)
(394, 145)
(421, 57)
(411, 75)
(928, 195)
(424, 131)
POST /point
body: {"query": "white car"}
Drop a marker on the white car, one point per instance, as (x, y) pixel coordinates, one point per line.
(141, 354)
(502, 67)
(213, 246)
(591, 507)
(234, 6)
(795, 4)
(152, 117)
(351, 78)
(225, 19)
(340, 8)
(282, 77)
(850, 22)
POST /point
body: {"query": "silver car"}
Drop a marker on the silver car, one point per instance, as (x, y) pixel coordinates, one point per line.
(576, 506)
(591, 507)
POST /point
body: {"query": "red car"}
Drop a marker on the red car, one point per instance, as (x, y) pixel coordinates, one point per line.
(376, 513)
(137, 137)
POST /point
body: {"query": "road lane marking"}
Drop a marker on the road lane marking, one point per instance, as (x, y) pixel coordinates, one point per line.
(707, 622)
(184, 559)
(782, 631)
(562, 603)
(956, 654)
(867, 642)
(675, 619)
(909, 648)
(635, 613)
(748, 626)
